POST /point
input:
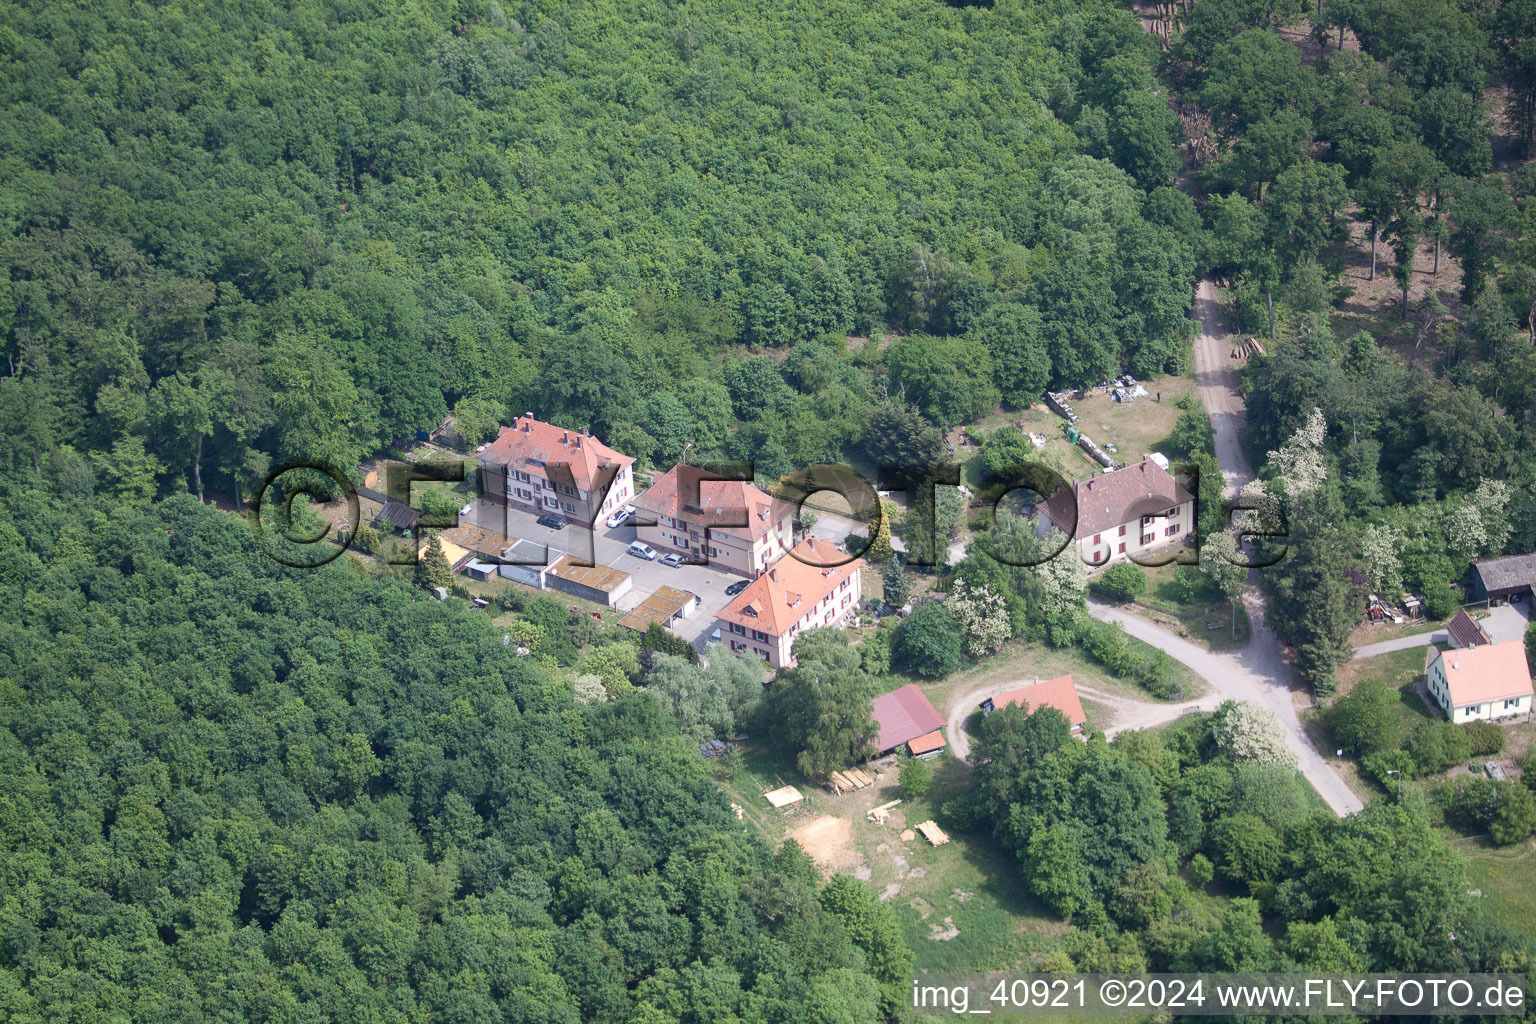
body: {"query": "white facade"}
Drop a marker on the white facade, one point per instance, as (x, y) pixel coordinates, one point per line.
(1487, 711)
(1141, 537)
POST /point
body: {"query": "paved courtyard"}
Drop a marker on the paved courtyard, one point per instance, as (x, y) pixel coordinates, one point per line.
(611, 548)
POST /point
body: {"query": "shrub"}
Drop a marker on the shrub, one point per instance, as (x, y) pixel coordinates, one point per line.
(1123, 581)
(1483, 738)
(1435, 746)
(916, 777)
(1440, 601)
(928, 642)
(1377, 766)
(366, 539)
(1514, 814)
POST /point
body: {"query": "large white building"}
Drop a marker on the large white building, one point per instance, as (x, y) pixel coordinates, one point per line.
(731, 524)
(542, 468)
(1486, 682)
(1127, 512)
(805, 589)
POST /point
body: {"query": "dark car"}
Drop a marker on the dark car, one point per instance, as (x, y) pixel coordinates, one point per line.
(737, 587)
(552, 521)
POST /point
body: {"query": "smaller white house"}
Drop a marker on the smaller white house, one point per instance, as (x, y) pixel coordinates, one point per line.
(1488, 682)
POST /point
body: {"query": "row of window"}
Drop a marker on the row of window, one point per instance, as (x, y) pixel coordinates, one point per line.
(539, 483)
(1146, 538)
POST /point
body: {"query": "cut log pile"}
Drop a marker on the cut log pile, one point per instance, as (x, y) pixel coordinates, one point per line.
(933, 833)
(848, 781)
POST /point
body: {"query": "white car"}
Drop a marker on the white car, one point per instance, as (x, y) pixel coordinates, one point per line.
(621, 517)
(467, 509)
(642, 550)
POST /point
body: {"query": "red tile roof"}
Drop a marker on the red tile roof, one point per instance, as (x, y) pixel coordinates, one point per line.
(790, 588)
(1112, 499)
(1477, 675)
(903, 716)
(684, 492)
(1059, 693)
(1465, 631)
(926, 743)
(533, 444)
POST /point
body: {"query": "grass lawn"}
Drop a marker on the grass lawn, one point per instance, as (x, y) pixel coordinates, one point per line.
(1135, 428)
(1019, 664)
(1191, 618)
(960, 904)
(1504, 875)
(1396, 670)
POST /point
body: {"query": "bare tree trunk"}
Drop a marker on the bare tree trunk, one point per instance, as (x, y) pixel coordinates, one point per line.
(1269, 299)
(197, 470)
(1373, 253)
(1341, 38)
(1437, 258)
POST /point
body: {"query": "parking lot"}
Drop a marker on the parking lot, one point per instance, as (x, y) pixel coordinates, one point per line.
(611, 548)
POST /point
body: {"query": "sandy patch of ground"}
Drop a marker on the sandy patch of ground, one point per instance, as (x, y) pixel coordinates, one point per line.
(829, 841)
(945, 933)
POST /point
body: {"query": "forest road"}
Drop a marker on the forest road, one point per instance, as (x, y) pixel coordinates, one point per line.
(1129, 712)
(1259, 672)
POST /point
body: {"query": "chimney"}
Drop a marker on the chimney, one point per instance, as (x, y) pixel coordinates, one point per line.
(578, 439)
(565, 437)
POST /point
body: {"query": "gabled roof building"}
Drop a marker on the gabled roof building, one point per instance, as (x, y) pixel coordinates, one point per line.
(1122, 513)
(1059, 693)
(814, 585)
(732, 525)
(542, 468)
(1486, 682)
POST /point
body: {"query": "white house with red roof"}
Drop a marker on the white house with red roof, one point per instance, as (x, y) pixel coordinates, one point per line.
(1487, 682)
(542, 468)
(1129, 511)
(1059, 693)
(814, 585)
(731, 524)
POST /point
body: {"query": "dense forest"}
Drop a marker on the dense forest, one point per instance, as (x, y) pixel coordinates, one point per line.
(1395, 428)
(239, 791)
(780, 232)
(231, 238)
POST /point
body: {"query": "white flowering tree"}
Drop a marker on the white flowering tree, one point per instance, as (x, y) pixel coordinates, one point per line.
(1465, 535)
(983, 618)
(1219, 558)
(1492, 501)
(1063, 579)
(1379, 546)
(1299, 462)
(1247, 732)
(589, 689)
(1261, 511)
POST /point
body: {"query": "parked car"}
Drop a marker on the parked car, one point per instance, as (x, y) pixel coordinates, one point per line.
(737, 587)
(621, 517)
(467, 509)
(642, 550)
(552, 521)
(674, 560)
